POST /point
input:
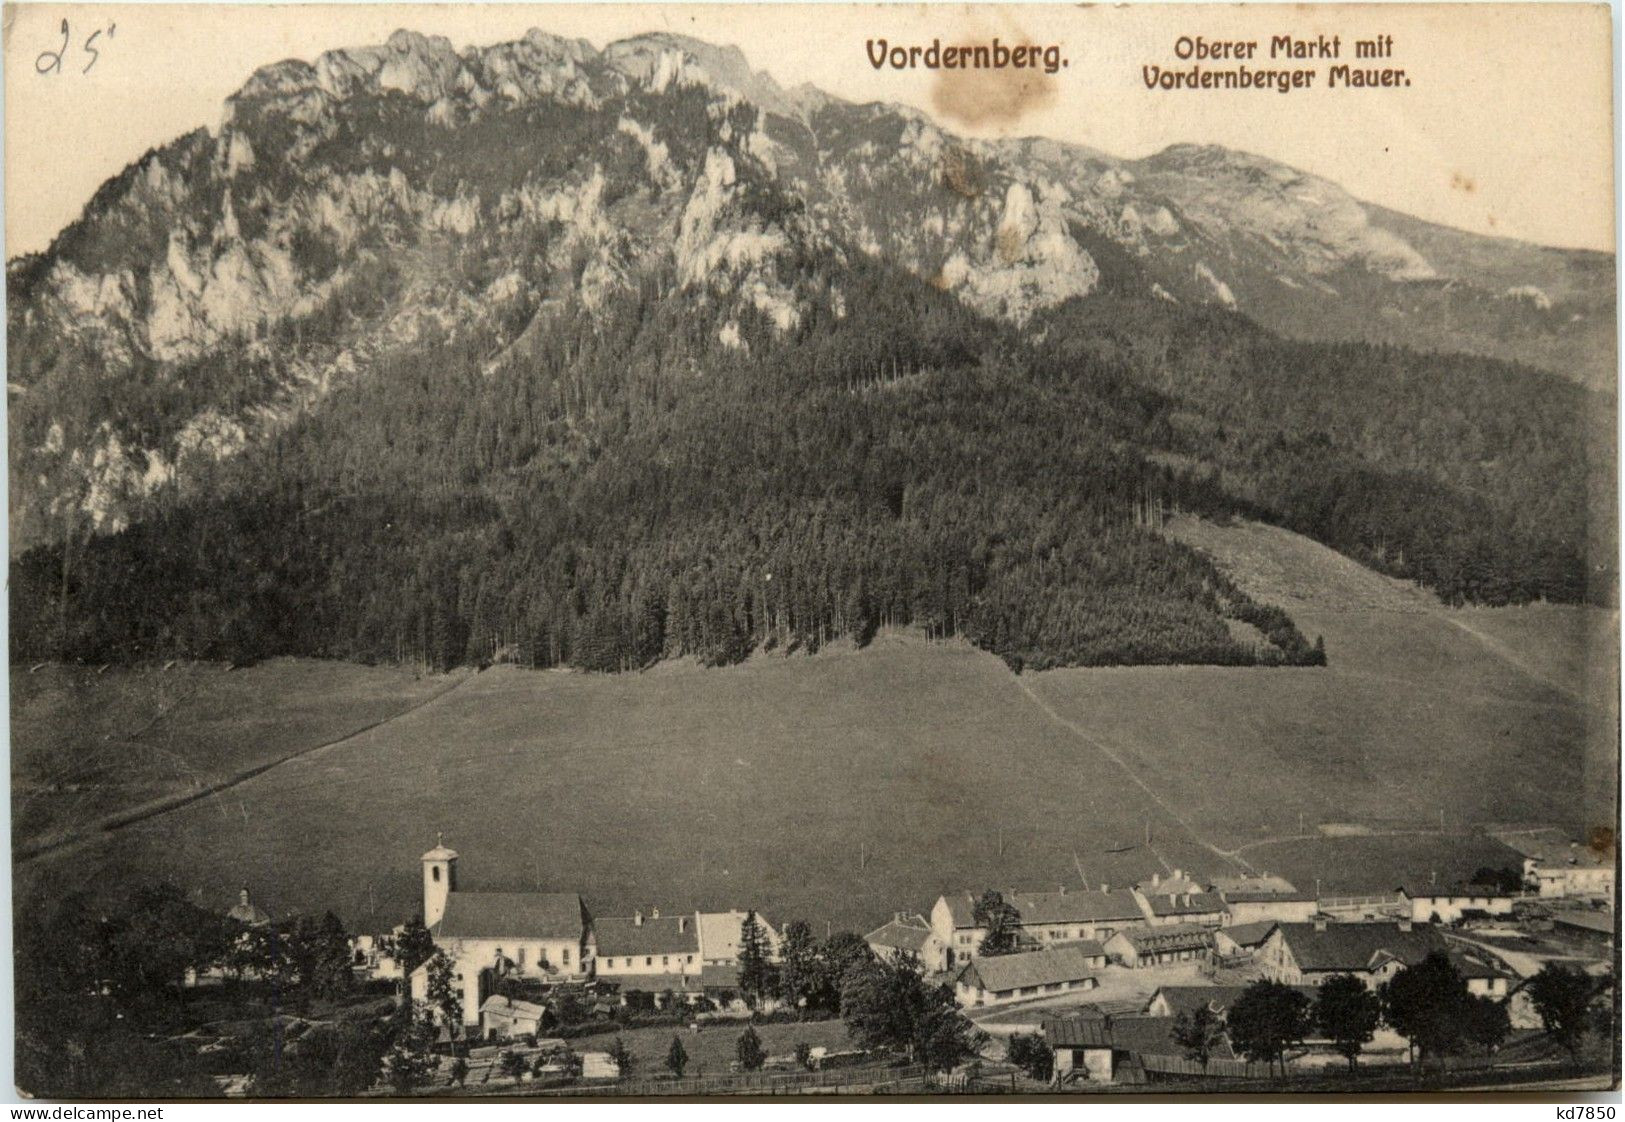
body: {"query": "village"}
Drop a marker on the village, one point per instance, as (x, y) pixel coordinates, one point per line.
(1099, 988)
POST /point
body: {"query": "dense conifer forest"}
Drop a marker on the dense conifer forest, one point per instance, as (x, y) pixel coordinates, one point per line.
(619, 488)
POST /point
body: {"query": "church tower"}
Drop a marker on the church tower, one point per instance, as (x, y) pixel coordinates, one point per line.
(439, 879)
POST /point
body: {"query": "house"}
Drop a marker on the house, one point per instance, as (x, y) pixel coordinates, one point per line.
(1558, 867)
(1309, 953)
(1255, 899)
(1206, 909)
(996, 979)
(1242, 942)
(1485, 975)
(1043, 918)
(719, 934)
(1158, 946)
(1098, 1048)
(1082, 1046)
(490, 935)
(1455, 903)
(909, 933)
(502, 1018)
(247, 913)
(626, 946)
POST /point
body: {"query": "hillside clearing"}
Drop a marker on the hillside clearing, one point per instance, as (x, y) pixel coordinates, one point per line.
(844, 786)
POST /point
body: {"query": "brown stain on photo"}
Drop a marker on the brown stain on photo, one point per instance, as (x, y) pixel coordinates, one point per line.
(1600, 839)
(962, 173)
(991, 97)
(1462, 183)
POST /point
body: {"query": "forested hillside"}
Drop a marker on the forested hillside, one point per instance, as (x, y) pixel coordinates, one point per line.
(541, 354)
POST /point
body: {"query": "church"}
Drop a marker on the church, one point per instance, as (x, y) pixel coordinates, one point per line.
(550, 937)
(542, 935)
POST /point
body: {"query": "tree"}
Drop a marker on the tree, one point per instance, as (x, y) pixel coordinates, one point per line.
(804, 1055)
(800, 971)
(889, 1004)
(1488, 1023)
(676, 1057)
(1032, 1054)
(753, 960)
(999, 922)
(1266, 1020)
(841, 953)
(510, 1063)
(331, 972)
(410, 1062)
(1562, 996)
(1347, 1012)
(414, 946)
(1427, 1004)
(1506, 878)
(459, 1071)
(444, 994)
(1199, 1033)
(749, 1050)
(622, 1055)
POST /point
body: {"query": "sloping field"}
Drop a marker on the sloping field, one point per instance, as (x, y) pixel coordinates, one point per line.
(90, 747)
(838, 788)
(844, 786)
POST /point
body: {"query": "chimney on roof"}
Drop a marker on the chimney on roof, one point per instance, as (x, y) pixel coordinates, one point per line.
(1156, 879)
(682, 923)
(1405, 924)
(1177, 874)
(1061, 889)
(242, 897)
(1433, 877)
(1105, 887)
(1320, 923)
(637, 918)
(654, 913)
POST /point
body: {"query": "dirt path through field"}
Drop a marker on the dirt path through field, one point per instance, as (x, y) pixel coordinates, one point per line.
(1100, 746)
(122, 819)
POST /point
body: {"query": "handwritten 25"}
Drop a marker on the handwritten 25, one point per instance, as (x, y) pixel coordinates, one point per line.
(50, 62)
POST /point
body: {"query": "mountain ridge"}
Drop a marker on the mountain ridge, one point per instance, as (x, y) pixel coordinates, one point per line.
(592, 245)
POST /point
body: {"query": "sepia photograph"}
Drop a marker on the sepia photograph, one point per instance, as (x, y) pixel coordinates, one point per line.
(641, 552)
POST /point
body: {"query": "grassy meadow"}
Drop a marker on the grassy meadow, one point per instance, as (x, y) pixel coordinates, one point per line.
(843, 786)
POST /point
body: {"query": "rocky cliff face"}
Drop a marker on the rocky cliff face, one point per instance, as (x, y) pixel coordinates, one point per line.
(222, 284)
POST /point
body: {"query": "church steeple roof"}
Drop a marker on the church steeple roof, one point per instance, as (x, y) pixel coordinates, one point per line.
(440, 852)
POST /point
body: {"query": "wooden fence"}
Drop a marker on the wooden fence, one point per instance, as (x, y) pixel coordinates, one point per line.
(839, 1081)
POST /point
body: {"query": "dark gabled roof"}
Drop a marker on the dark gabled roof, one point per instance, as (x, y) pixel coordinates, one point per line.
(512, 915)
(1036, 908)
(1001, 973)
(1186, 904)
(1093, 948)
(1082, 1031)
(1601, 922)
(1250, 934)
(1175, 937)
(656, 982)
(719, 977)
(626, 936)
(1355, 946)
(1188, 999)
(1153, 1036)
(903, 936)
(1471, 965)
